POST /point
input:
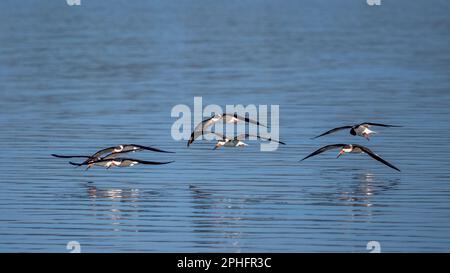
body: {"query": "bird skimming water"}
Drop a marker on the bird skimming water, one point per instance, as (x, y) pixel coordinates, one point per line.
(361, 129)
(351, 148)
(108, 157)
(227, 118)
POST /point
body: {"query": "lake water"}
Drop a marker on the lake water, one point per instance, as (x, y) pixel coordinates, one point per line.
(77, 79)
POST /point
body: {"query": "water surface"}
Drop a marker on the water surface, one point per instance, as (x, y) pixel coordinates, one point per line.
(77, 79)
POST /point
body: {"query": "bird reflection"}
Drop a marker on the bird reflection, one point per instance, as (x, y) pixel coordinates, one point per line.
(114, 203)
(115, 194)
(215, 215)
(359, 191)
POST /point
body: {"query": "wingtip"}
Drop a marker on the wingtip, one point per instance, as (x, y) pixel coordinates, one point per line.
(164, 151)
(167, 152)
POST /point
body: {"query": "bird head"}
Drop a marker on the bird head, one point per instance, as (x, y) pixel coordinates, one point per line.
(345, 149)
(219, 144)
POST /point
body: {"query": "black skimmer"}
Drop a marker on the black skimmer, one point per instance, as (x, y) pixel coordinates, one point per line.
(361, 129)
(237, 141)
(118, 162)
(228, 118)
(351, 148)
(112, 152)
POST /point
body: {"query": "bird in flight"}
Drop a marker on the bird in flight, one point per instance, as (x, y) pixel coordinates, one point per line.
(237, 141)
(118, 162)
(112, 152)
(107, 154)
(361, 129)
(227, 118)
(351, 148)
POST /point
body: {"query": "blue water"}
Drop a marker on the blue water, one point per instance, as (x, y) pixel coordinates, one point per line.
(77, 79)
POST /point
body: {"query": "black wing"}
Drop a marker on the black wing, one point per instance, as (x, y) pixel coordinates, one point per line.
(245, 136)
(150, 148)
(192, 138)
(324, 149)
(245, 119)
(143, 161)
(333, 130)
(104, 151)
(115, 155)
(375, 156)
(195, 135)
(378, 124)
(200, 129)
(77, 164)
(71, 156)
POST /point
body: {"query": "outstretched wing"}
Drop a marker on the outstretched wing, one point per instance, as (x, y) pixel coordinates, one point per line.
(116, 154)
(71, 156)
(368, 124)
(200, 129)
(77, 164)
(245, 136)
(148, 148)
(194, 136)
(104, 151)
(229, 117)
(131, 162)
(324, 149)
(375, 156)
(333, 131)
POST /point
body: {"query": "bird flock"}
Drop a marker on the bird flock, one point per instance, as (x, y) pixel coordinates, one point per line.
(113, 156)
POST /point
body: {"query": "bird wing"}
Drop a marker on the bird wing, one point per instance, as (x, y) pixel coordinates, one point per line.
(71, 156)
(116, 154)
(76, 164)
(200, 129)
(245, 136)
(324, 149)
(333, 130)
(129, 161)
(375, 156)
(228, 117)
(368, 124)
(104, 151)
(147, 148)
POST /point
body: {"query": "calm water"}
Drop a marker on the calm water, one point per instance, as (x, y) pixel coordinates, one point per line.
(76, 79)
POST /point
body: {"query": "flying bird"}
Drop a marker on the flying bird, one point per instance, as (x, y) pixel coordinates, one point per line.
(237, 141)
(228, 118)
(118, 162)
(361, 129)
(112, 152)
(351, 148)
